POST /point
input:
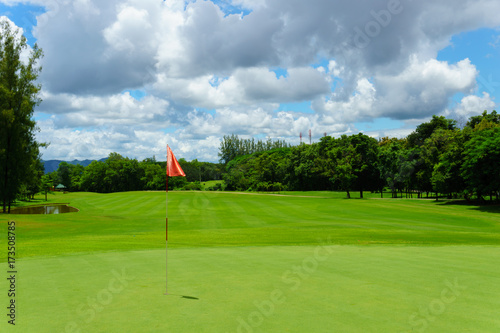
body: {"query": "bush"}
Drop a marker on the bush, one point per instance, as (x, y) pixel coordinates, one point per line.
(194, 186)
(216, 187)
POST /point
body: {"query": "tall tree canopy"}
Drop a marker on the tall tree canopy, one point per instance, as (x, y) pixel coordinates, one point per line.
(19, 150)
(481, 162)
(425, 130)
(436, 158)
(232, 146)
(492, 117)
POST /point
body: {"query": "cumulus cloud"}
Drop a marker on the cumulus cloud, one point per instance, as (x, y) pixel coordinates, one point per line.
(25, 53)
(90, 48)
(424, 88)
(419, 91)
(200, 39)
(247, 86)
(227, 120)
(209, 69)
(120, 109)
(472, 105)
(127, 34)
(96, 143)
(357, 107)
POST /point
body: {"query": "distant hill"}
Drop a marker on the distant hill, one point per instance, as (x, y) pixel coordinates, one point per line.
(52, 165)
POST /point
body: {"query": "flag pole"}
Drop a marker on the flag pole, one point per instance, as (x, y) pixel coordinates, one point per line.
(166, 233)
(173, 170)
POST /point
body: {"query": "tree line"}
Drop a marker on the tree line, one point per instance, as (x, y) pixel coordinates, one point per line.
(119, 174)
(438, 157)
(233, 146)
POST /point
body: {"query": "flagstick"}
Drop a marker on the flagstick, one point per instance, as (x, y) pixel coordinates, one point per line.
(173, 169)
(166, 235)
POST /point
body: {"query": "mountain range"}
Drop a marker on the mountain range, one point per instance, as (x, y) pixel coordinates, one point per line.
(52, 165)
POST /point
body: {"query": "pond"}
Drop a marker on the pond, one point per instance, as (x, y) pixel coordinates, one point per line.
(49, 209)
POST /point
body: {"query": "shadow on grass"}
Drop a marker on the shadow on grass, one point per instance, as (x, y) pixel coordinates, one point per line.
(485, 206)
(190, 297)
(186, 297)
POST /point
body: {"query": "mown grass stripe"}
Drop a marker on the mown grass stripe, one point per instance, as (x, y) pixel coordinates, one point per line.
(231, 251)
(355, 288)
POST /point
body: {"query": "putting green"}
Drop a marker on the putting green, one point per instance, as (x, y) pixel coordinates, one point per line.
(264, 289)
(256, 263)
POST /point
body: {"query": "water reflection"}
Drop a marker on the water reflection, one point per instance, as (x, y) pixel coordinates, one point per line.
(53, 209)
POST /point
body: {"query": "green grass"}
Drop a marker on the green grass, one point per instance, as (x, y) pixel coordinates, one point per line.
(210, 183)
(300, 262)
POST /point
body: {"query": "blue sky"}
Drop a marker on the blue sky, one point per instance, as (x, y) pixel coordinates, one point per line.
(482, 47)
(131, 76)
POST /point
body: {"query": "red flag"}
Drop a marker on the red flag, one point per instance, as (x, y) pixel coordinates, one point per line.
(173, 167)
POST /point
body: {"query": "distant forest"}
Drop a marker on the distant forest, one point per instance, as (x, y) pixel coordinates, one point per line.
(118, 174)
(438, 157)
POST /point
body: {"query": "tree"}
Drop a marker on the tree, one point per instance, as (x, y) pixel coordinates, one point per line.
(64, 173)
(446, 177)
(155, 176)
(481, 162)
(76, 176)
(411, 174)
(306, 167)
(493, 117)
(367, 175)
(431, 152)
(122, 174)
(344, 159)
(390, 152)
(34, 183)
(93, 177)
(18, 99)
(349, 162)
(46, 184)
(231, 146)
(425, 130)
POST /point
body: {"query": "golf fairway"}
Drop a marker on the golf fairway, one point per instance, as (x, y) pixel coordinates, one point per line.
(255, 263)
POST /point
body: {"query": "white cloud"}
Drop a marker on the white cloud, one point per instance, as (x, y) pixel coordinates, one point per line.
(472, 105)
(120, 109)
(226, 121)
(245, 87)
(130, 31)
(419, 91)
(85, 8)
(98, 48)
(190, 57)
(25, 53)
(424, 88)
(357, 107)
